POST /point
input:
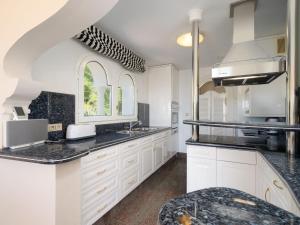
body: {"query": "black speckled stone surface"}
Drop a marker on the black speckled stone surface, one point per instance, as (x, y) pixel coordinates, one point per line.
(216, 206)
(57, 108)
(56, 153)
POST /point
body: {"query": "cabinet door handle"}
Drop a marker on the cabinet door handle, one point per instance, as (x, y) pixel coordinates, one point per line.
(101, 156)
(275, 182)
(131, 146)
(102, 208)
(102, 190)
(131, 182)
(131, 161)
(101, 172)
(268, 189)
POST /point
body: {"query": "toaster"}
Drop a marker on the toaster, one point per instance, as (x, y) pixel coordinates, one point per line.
(80, 131)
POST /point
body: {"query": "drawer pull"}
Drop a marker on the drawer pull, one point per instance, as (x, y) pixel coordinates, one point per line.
(275, 182)
(101, 172)
(101, 156)
(131, 146)
(101, 191)
(131, 182)
(102, 208)
(268, 189)
(131, 161)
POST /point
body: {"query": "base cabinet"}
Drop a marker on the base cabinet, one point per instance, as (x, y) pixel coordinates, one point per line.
(236, 175)
(146, 161)
(108, 175)
(201, 173)
(238, 169)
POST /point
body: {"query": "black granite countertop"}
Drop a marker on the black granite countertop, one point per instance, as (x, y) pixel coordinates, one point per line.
(287, 167)
(55, 153)
(216, 206)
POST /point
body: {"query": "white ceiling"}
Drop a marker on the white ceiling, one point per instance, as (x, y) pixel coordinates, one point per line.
(150, 27)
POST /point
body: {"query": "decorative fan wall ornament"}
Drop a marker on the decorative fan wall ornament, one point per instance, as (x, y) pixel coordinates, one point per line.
(104, 44)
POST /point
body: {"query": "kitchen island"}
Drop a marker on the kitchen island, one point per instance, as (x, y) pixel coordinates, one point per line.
(246, 164)
(222, 206)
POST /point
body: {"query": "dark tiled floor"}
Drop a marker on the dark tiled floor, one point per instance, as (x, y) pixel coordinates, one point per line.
(141, 206)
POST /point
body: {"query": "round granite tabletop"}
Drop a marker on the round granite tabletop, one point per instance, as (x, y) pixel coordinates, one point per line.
(222, 206)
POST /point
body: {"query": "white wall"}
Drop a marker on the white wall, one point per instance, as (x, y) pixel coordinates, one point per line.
(58, 69)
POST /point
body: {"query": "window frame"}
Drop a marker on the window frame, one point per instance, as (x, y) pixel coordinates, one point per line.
(81, 118)
(134, 99)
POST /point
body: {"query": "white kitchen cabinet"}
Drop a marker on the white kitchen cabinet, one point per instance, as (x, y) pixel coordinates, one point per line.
(201, 173)
(108, 175)
(175, 84)
(146, 161)
(272, 189)
(264, 100)
(163, 89)
(158, 154)
(236, 175)
(201, 168)
(244, 170)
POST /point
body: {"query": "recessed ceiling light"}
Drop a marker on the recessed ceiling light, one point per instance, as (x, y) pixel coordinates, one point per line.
(185, 40)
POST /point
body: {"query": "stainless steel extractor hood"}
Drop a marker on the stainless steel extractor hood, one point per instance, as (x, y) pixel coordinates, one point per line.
(246, 63)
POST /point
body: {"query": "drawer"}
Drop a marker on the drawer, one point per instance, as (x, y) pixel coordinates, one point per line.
(203, 152)
(160, 135)
(129, 161)
(239, 156)
(98, 191)
(95, 173)
(98, 157)
(96, 210)
(127, 146)
(128, 182)
(146, 140)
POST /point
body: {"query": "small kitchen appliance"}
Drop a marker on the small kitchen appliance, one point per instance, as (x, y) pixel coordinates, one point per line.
(80, 131)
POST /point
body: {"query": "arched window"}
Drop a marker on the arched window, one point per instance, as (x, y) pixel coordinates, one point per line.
(95, 94)
(126, 96)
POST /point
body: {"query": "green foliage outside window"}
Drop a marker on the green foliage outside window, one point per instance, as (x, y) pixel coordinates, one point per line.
(90, 93)
(107, 111)
(91, 96)
(119, 101)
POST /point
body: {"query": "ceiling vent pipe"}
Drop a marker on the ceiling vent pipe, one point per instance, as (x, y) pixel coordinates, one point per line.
(195, 16)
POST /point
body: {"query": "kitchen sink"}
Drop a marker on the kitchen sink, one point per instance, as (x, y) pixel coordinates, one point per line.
(128, 132)
(145, 129)
(138, 130)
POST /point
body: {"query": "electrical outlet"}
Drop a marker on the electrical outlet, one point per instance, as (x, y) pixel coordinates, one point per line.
(55, 127)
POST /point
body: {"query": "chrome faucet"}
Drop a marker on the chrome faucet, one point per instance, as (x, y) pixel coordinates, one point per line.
(133, 124)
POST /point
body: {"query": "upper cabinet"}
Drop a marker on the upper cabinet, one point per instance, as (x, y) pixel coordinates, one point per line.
(126, 97)
(163, 90)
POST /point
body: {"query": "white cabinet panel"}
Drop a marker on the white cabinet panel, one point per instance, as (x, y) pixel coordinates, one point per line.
(175, 84)
(202, 152)
(236, 175)
(158, 154)
(128, 182)
(271, 188)
(201, 173)
(160, 95)
(166, 152)
(146, 161)
(232, 155)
